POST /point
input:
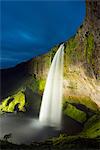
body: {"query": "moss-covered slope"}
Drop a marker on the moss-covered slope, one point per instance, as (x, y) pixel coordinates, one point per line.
(13, 103)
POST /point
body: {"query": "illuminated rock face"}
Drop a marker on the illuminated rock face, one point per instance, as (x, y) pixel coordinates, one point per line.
(87, 37)
(51, 107)
(81, 60)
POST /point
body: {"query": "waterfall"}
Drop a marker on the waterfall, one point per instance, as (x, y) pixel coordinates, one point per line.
(51, 106)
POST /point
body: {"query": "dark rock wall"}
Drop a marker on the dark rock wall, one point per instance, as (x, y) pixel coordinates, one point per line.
(92, 24)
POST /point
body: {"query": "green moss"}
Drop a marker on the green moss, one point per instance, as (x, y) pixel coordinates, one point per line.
(92, 127)
(90, 134)
(36, 85)
(89, 46)
(42, 84)
(63, 138)
(74, 49)
(82, 100)
(74, 113)
(53, 51)
(70, 49)
(33, 84)
(70, 46)
(4, 103)
(19, 98)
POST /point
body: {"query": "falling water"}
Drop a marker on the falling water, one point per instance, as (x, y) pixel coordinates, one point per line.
(51, 107)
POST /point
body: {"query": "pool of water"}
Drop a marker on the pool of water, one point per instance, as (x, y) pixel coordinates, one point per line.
(27, 129)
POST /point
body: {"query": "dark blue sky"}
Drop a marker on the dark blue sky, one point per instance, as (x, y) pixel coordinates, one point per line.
(31, 28)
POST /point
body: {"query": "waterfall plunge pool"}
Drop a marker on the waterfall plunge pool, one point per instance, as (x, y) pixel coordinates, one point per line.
(26, 130)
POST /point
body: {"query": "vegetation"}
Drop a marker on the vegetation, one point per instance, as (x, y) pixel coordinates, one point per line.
(89, 46)
(72, 51)
(58, 143)
(9, 103)
(42, 84)
(53, 51)
(32, 84)
(74, 113)
(36, 85)
(90, 135)
(82, 100)
(92, 127)
(73, 48)
(70, 46)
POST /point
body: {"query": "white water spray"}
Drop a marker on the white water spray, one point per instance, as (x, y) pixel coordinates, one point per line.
(51, 107)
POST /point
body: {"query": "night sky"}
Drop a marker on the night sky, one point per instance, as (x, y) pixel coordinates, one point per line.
(30, 28)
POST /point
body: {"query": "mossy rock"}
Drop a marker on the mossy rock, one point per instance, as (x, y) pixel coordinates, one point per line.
(18, 98)
(53, 52)
(82, 100)
(74, 113)
(42, 83)
(89, 47)
(92, 127)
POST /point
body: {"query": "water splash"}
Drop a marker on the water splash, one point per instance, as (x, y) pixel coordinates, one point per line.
(51, 107)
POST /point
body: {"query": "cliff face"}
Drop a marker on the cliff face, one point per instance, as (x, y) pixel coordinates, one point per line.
(92, 25)
(86, 41)
(81, 60)
(39, 66)
(81, 63)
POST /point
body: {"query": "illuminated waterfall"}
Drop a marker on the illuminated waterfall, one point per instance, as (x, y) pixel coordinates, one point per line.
(51, 107)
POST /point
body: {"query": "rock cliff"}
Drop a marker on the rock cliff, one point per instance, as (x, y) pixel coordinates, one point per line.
(81, 64)
(81, 60)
